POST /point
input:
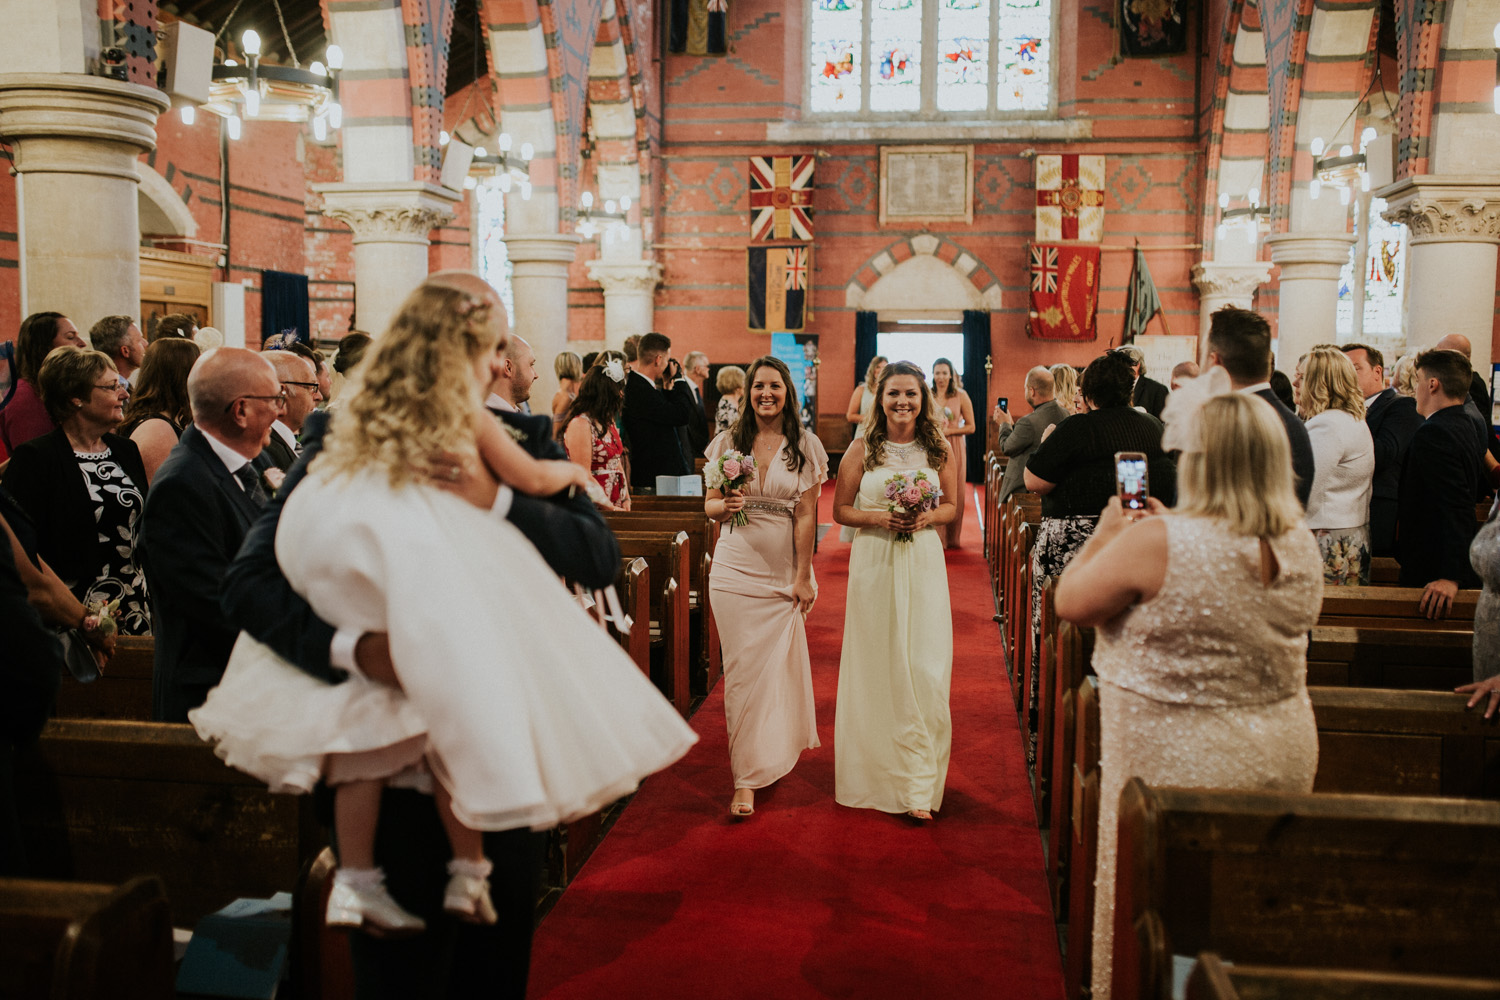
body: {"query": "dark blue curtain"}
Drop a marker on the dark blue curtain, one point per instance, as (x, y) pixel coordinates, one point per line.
(977, 383)
(866, 330)
(283, 306)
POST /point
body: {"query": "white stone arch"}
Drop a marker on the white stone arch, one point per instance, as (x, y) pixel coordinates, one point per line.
(162, 210)
(921, 284)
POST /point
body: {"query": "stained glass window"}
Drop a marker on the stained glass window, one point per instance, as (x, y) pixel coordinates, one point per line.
(974, 58)
(1379, 291)
(494, 262)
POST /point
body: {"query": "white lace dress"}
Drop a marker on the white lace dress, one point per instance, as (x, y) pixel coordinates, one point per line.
(532, 715)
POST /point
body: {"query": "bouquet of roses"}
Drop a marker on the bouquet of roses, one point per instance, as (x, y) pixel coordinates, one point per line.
(731, 472)
(911, 493)
(101, 616)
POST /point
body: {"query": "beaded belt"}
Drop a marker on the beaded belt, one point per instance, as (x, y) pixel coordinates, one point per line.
(770, 507)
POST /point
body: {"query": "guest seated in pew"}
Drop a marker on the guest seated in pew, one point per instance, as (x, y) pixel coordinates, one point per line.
(25, 416)
(299, 380)
(1019, 439)
(1444, 465)
(158, 411)
(1338, 508)
(762, 587)
(589, 433)
(1202, 616)
(451, 959)
(82, 486)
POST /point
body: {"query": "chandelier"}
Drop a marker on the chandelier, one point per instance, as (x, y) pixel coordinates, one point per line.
(270, 92)
(1250, 212)
(615, 215)
(505, 168)
(1344, 172)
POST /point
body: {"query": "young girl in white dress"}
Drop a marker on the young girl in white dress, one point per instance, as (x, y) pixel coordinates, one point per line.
(521, 708)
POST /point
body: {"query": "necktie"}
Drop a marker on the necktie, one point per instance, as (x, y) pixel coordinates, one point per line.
(250, 480)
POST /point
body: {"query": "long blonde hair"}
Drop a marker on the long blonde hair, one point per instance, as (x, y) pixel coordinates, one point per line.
(414, 393)
(1329, 382)
(929, 432)
(872, 371)
(1243, 474)
(1064, 385)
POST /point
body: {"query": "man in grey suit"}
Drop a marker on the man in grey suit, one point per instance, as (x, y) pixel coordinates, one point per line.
(1020, 439)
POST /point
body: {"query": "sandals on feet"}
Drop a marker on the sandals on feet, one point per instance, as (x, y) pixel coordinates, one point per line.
(740, 808)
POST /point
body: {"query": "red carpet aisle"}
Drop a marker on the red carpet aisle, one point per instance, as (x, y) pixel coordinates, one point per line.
(807, 898)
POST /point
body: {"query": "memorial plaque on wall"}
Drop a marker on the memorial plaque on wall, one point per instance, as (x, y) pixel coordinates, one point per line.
(926, 184)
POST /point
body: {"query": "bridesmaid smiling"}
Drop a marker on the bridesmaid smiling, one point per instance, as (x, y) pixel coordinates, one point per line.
(762, 585)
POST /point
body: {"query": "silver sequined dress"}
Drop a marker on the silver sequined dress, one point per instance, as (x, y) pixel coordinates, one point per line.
(1205, 685)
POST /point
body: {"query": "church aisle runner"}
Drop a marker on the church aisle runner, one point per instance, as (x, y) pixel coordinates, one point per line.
(807, 898)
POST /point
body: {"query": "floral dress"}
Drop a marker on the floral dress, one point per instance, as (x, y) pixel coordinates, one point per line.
(117, 504)
(605, 461)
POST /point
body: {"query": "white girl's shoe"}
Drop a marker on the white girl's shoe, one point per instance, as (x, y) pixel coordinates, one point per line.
(468, 894)
(362, 902)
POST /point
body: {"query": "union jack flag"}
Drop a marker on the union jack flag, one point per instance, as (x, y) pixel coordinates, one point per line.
(1044, 269)
(781, 190)
(796, 269)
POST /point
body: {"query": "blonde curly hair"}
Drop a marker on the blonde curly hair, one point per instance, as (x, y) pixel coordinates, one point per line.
(415, 395)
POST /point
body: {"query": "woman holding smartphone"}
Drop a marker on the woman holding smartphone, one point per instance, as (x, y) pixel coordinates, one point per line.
(1202, 616)
(1074, 471)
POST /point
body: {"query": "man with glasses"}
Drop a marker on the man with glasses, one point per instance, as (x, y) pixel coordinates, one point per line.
(300, 381)
(204, 498)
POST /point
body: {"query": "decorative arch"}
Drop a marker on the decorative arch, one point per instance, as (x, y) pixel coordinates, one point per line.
(1238, 140)
(162, 210)
(611, 113)
(967, 265)
(1285, 25)
(1419, 52)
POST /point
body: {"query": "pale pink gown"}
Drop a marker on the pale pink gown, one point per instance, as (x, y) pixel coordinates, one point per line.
(768, 693)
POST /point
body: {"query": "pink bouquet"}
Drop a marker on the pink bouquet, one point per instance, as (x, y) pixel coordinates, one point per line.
(911, 493)
(731, 472)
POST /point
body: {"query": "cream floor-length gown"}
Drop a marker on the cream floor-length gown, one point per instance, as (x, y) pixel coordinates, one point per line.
(892, 731)
(768, 692)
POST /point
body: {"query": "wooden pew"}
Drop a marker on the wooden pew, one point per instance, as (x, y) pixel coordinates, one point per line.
(1359, 605)
(1385, 572)
(82, 940)
(1056, 747)
(1408, 885)
(122, 690)
(667, 555)
(1431, 659)
(1214, 979)
(107, 800)
(634, 588)
(321, 966)
(1083, 842)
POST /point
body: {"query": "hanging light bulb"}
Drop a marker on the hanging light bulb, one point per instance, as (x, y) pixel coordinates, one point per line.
(252, 103)
(335, 57)
(250, 42)
(505, 142)
(611, 206)
(625, 203)
(1316, 148)
(234, 126)
(1224, 200)
(320, 128)
(1254, 195)
(587, 198)
(318, 68)
(479, 153)
(527, 151)
(1346, 150)
(1366, 137)
(189, 114)
(1313, 187)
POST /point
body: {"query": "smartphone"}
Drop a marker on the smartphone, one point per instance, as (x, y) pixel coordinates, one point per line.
(1130, 479)
(1004, 404)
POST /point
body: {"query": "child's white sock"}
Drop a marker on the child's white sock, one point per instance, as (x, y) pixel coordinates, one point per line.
(359, 879)
(473, 869)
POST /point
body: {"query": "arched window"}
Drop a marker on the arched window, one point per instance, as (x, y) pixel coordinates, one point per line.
(1372, 283)
(929, 58)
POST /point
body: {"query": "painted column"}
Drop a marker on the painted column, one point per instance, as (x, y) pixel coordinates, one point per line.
(629, 297)
(1310, 264)
(1220, 284)
(539, 283)
(75, 141)
(1453, 226)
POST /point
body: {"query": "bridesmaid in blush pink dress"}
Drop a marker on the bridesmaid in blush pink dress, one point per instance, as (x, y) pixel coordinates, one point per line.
(762, 585)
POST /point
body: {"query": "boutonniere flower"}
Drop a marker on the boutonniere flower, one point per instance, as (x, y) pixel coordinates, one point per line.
(272, 479)
(100, 617)
(515, 432)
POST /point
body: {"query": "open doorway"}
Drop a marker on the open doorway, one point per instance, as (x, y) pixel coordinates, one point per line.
(922, 342)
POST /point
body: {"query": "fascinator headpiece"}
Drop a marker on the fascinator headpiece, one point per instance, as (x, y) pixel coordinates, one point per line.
(1183, 406)
(614, 369)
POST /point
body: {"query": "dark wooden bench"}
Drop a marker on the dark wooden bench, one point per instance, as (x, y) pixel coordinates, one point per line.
(634, 588)
(122, 690)
(1056, 747)
(1438, 658)
(107, 800)
(1409, 885)
(667, 556)
(1083, 841)
(1214, 979)
(1357, 605)
(85, 941)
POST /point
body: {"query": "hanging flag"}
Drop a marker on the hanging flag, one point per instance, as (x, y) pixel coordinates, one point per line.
(697, 27)
(781, 197)
(1144, 302)
(1064, 292)
(1069, 197)
(778, 279)
(1153, 28)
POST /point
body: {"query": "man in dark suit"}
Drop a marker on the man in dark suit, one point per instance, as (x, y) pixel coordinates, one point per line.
(1148, 394)
(1020, 439)
(300, 380)
(651, 416)
(1435, 518)
(1239, 341)
(1392, 419)
(204, 498)
(1480, 405)
(452, 959)
(696, 434)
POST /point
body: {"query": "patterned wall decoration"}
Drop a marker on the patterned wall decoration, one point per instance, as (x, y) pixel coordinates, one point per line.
(429, 29)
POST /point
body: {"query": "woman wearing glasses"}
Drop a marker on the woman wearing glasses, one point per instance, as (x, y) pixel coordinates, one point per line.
(83, 486)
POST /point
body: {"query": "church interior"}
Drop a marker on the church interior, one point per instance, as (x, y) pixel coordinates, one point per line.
(1007, 183)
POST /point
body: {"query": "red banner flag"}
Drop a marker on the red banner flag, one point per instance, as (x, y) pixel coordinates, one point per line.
(1064, 292)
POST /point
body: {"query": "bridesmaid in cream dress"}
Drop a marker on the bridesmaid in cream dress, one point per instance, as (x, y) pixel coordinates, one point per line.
(1202, 615)
(860, 405)
(892, 730)
(762, 585)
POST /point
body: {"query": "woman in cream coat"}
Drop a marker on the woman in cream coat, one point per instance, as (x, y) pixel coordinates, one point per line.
(1338, 509)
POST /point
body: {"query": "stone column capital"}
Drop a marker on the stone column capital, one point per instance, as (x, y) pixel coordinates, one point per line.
(60, 122)
(639, 276)
(1219, 280)
(543, 248)
(1445, 208)
(1309, 255)
(388, 213)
